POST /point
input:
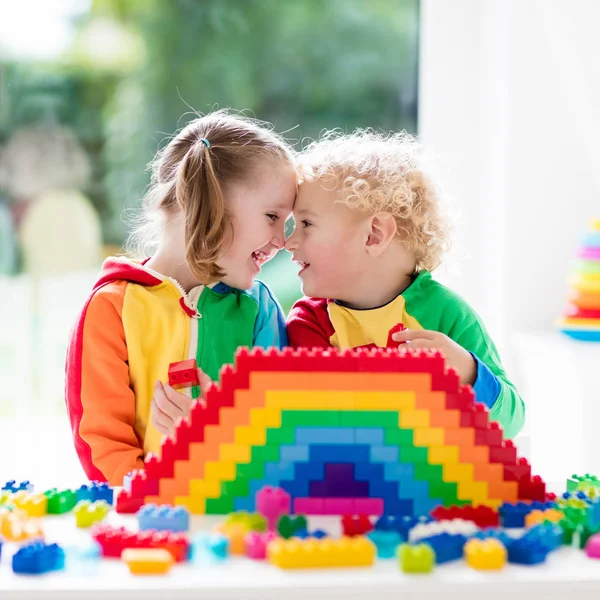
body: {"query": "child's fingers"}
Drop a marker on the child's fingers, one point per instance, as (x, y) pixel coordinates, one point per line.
(409, 335)
(205, 381)
(163, 423)
(165, 399)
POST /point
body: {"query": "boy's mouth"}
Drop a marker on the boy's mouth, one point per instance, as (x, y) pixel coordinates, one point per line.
(303, 265)
(260, 258)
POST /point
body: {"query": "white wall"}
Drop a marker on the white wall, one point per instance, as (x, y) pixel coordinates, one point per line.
(510, 98)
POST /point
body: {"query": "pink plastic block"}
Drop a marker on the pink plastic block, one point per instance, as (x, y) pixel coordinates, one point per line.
(256, 544)
(272, 502)
(309, 506)
(338, 506)
(592, 548)
(368, 506)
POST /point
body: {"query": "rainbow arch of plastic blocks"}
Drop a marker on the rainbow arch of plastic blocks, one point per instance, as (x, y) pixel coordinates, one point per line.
(356, 431)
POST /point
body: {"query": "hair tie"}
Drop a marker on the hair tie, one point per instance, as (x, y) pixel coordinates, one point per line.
(206, 142)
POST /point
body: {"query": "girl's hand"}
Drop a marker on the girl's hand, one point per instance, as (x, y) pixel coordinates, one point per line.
(170, 406)
(456, 356)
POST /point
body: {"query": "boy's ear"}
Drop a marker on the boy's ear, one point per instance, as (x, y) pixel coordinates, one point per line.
(382, 230)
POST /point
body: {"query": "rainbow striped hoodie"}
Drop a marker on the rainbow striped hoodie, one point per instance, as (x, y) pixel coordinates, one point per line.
(133, 325)
(425, 304)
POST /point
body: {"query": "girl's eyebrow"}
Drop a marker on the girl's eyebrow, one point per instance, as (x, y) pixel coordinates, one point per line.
(303, 211)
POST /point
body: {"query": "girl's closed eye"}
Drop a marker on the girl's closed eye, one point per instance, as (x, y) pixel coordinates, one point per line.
(305, 223)
(274, 217)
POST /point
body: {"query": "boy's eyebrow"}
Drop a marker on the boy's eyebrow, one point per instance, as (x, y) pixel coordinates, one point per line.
(304, 211)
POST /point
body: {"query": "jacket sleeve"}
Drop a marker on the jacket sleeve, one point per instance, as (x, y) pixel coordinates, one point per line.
(100, 401)
(308, 324)
(492, 385)
(269, 328)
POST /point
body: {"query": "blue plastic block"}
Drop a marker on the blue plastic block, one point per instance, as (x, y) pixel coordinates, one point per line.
(339, 453)
(244, 503)
(209, 548)
(296, 488)
(310, 471)
(83, 560)
(324, 435)
(38, 557)
(399, 471)
(513, 515)
(12, 486)
(402, 523)
(294, 453)
(369, 435)
(317, 533)
(163, 518)
(280, 470)
(549, 535)
(95, 491)
(384, 454)
(495, 533)
(447, 546)
(414, 489)
(386, 542)
(526, 551)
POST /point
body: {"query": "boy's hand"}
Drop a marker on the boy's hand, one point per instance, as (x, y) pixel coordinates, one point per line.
(170, 406)
(456, 356)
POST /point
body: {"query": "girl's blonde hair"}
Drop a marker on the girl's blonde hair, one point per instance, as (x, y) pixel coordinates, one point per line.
(190, 174)
(379, 172)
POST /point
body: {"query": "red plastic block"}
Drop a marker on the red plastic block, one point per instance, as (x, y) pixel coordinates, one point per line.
(482, 516)
(141, 485)
(535, 489)
(356, 525)
(391, 343)
(128, 503)
(519, 472)
(183, 373)
(113, 540)
(505, 454)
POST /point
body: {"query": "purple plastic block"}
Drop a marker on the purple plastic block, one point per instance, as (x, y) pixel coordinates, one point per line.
(256, 544)
(272, 502)
(592, 548)
(339, 482)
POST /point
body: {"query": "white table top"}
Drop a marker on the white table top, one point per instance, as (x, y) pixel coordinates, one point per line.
(566, 572)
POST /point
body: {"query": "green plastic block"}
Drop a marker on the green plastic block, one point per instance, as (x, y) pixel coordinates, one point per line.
(416, 456)
(288, 525)
(370, 418)
(281, 436)
(220, 506)
(252, 470)
(399, 437)
(417, 558)
(264, 454)
(309, 418)
(236, 488)
(60, 502)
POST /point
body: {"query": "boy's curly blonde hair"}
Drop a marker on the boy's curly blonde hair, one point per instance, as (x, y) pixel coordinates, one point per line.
(378, 172)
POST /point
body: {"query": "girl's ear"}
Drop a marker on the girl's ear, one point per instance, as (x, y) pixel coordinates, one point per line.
(382, 230)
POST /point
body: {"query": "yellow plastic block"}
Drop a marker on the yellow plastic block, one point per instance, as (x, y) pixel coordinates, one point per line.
(147, 561)
(205, 488)
(485, 555)
(476, 491)
(265, 417)
(87, 513)
(250, 436)
(321, 553)
(385, 400)
(16, 526)
(429, 436)
(35, 505)
(455, 472)
(233, 452)
(443, 455)
(195, 504)
(411, 419)
(223, 469)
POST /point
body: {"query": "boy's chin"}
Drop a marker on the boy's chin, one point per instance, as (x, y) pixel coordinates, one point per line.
(314, 291)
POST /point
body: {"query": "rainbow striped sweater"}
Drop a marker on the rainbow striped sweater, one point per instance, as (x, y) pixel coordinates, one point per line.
(425, 304)
(134, 324)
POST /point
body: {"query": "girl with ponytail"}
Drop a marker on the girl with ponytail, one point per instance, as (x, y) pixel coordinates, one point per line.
(215, 212)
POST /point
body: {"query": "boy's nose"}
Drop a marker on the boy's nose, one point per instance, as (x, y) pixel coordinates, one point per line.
(290, 243)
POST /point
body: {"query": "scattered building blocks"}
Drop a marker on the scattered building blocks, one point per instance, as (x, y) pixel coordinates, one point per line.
(88, 513)
(236, 534)
(535, 517)
(256, 544)
(416, 558)
(289, 525)
(402, 524)
(113, 540)
(147, 561)
(526, 551)
(485, 555)
(513, 515)
(163, 518)
(37, 557)
(16, 526)
(403, 436)
(60, 502)
(427, 530)
(482, 516)
(325, 553)
(35, 505)
(272, 503)
(95, 491)
(386, 542)
(356, 525)
(183, 374)
(446, 546)
(209, 548)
